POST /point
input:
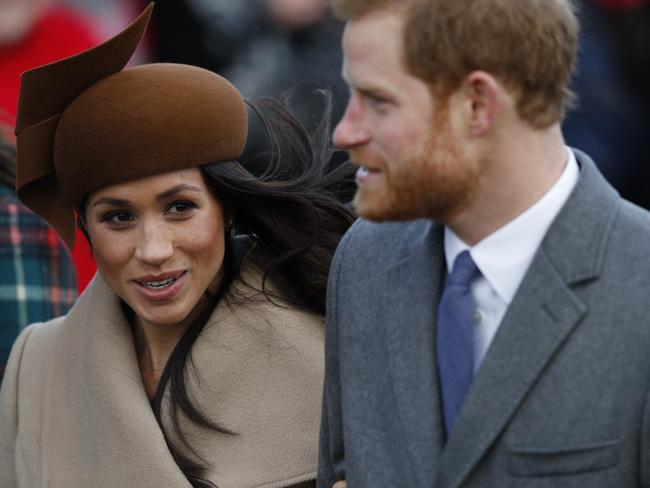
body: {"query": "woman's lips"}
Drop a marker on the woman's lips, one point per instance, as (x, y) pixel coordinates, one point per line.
(161, 288)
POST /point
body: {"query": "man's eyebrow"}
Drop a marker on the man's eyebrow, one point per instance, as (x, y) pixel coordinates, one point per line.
(373, 92)
(368, 87)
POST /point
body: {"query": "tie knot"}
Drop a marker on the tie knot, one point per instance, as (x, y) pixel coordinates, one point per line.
(464, 270)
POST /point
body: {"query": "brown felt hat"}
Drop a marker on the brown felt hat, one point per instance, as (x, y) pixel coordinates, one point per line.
(85, 123)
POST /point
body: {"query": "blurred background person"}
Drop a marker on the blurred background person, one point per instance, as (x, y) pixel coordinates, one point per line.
(287, 49)
(264, 47)
(110, 16)
(33, 33)
(37, 278)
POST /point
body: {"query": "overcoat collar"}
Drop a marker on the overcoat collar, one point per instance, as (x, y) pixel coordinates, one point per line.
(96, 396)
(543, 313)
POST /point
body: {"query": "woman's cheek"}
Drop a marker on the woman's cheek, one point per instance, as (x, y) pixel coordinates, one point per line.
(204, 240)
(111, 251)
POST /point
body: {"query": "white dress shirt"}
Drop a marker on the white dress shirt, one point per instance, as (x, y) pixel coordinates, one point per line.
(504, 256)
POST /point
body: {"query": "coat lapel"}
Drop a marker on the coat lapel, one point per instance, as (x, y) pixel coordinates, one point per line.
(539, 320)
(408, 318)
(97, 404)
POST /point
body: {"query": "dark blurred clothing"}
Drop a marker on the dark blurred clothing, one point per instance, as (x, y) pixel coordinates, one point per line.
(37, 278)
(612, 119)
(622, 4)
(294, 63)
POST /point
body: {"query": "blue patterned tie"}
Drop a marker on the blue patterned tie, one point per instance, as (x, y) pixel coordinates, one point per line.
(455, 337)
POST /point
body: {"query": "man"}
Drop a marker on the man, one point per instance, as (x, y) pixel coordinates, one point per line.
(496, 332)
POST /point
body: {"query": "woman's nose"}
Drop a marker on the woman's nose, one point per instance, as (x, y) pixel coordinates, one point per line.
(154, 246)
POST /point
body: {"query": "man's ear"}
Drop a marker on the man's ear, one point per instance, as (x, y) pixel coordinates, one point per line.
(484, 97)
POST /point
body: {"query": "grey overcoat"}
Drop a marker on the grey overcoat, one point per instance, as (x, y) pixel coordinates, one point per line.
(561, 399)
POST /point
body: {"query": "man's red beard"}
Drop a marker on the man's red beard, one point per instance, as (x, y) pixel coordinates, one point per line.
(437, 183)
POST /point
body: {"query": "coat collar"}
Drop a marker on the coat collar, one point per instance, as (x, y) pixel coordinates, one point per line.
(577, 240)
(97, 401)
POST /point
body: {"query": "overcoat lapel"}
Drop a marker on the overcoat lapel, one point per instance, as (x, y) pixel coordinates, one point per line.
(541, 317)
(409, 327)
(114, 416)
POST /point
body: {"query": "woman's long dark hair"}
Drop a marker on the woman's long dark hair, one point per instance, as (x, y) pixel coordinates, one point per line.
(7, 161)
(288, 219)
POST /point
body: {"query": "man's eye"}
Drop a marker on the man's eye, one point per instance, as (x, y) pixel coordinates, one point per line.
(181, 206)
(376, 101)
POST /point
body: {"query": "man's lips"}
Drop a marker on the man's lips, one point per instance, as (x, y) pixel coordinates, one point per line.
(367, 175)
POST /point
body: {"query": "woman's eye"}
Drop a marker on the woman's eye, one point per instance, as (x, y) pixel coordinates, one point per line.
(117, 217)
(181, 207)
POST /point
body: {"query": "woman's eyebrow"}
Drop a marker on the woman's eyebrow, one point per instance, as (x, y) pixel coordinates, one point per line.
(177, 189)
(118, 202)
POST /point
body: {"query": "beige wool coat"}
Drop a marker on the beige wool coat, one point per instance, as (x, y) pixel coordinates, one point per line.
(74, 412)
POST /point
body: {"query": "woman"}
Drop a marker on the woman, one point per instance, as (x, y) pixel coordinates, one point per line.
(194, 358)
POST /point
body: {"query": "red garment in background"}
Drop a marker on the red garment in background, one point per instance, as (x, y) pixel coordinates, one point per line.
(59, 33)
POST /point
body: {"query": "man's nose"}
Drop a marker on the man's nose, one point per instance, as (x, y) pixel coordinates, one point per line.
(154, 245)
(351, 130)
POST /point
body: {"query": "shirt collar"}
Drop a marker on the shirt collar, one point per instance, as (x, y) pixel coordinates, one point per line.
(504, 256)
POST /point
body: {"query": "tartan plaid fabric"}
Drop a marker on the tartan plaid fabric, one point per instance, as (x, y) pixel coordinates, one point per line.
(37, 278)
